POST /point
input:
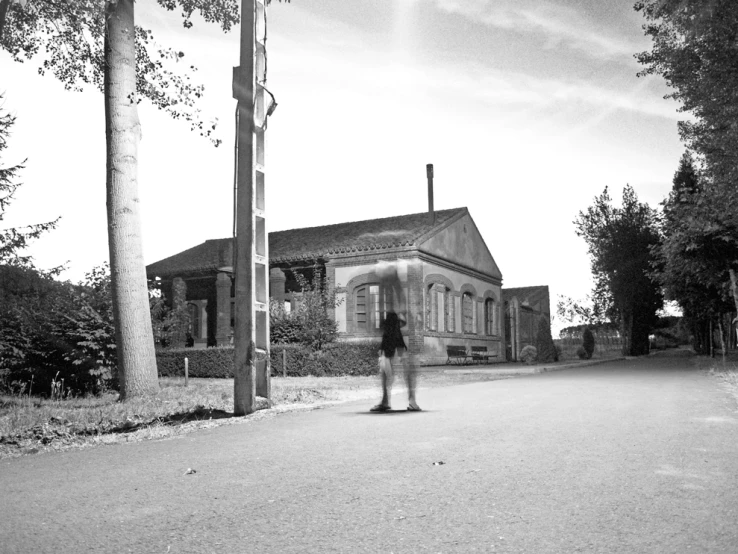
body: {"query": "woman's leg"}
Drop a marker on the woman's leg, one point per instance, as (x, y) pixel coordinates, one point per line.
(387, 379)
(409, 370)
(387, 376)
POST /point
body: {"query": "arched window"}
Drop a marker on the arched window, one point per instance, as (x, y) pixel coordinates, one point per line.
(489, 316)
(370, 307)
(467, 313)
(438, 308)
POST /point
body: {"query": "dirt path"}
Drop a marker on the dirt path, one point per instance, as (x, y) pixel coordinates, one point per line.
(632, 456)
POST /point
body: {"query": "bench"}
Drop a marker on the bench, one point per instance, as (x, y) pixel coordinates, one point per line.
(457, 355)
(480, 354)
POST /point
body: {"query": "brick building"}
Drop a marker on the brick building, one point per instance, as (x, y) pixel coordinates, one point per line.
(451, 280)
(524, 307)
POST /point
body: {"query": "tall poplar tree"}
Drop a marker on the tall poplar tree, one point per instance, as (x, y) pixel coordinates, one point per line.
(689, 265)
(695, 49)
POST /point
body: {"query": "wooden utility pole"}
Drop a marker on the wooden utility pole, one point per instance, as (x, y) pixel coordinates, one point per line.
(251, 265)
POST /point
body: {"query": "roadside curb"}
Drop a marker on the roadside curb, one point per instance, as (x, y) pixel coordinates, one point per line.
(533, 369)
(587, 363)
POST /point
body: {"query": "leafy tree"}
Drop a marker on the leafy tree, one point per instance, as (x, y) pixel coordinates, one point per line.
(14, 240)
(619, 241)
(97, 42)
(694, 49)
(692, 260)
(590, 311)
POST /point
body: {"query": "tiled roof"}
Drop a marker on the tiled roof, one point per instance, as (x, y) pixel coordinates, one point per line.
(313, 242)
(529, 295)
(201, 259)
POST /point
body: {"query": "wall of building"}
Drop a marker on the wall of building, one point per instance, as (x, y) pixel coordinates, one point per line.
(347, 277)
(419, 277)
(523, 323)
(455, 283)
(461, 243)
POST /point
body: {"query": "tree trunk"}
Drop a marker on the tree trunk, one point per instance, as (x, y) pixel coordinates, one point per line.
(4, 5)
(734, 286)
(722, 337)
(626, 330)
(134, 338)
(734, 290)
(712, 342)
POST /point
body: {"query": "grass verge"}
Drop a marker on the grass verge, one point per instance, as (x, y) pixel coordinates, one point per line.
(725, 370)
(29, 425)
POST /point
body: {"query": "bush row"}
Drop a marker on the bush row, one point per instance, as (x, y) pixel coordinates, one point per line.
(205, 362)
(334, 359)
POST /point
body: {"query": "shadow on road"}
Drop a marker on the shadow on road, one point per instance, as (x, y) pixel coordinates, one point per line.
(387, 413)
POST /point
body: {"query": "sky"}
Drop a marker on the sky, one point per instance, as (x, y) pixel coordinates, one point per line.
(527, 109)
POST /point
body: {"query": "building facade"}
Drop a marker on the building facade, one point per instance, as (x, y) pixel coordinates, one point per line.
(524, 307)
(452, 284)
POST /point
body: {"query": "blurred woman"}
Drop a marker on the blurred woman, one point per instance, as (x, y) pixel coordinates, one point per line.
(393, 350)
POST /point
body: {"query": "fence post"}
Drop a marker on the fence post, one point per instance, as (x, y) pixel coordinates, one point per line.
(284, 362)
(187, 371)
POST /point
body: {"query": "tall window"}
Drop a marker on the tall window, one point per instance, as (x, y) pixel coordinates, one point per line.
(467, 312)
(449, 306)
(489, 316)
(438, 308)
(431, 309)
(370, 307)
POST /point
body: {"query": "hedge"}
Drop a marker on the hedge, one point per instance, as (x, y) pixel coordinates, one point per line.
(335, 359)
(203, 362)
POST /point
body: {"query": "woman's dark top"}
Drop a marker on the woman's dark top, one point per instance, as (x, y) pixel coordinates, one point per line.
(391, 335)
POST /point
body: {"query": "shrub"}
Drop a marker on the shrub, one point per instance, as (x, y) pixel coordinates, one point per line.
(283, 329)
(54, 331)
(352, 358)
(544, 342)
(582, 353)
(588, 343)
(301, 360)
(169, 324)
(663, 339)
(216, 362)
(528, 354)
(336, 359)
(309, 323)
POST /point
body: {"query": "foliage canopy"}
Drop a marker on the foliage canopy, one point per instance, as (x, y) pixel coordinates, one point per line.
(619, 241)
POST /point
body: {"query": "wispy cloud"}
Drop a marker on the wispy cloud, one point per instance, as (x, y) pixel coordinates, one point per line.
(507, 93)
(558, 25)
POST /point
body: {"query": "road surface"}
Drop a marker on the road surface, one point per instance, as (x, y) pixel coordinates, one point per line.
(631, 456)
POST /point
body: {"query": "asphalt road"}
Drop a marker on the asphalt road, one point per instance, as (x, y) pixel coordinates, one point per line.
(631, 456)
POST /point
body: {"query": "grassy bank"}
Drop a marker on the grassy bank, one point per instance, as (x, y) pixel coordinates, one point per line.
(29, 425)
(725, 370)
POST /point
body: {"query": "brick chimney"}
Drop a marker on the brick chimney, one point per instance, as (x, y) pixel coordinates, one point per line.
(431, 212)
